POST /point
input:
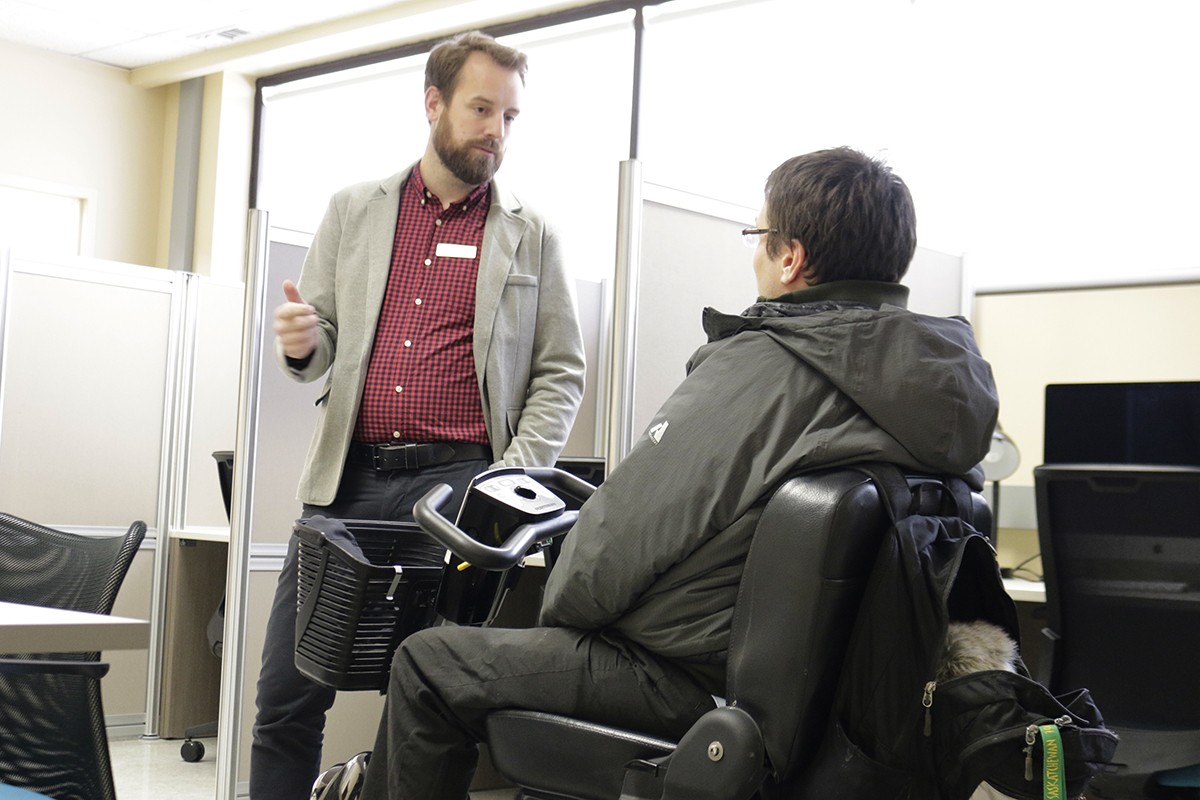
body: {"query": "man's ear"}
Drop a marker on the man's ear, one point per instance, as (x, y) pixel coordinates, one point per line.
(433, 103)
(792, 266)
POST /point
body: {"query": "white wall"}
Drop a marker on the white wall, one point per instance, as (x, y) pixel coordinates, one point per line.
(1051, 142)
(74, 122)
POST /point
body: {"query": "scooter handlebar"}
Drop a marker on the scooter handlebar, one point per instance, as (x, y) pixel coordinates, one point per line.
(563, 482)
(427, 513)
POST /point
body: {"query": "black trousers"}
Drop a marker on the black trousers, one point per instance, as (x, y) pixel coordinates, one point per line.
(285, 753)
(445, 681)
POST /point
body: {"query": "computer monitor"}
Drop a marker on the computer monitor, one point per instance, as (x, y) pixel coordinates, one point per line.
(588, 468)
(1123, 423)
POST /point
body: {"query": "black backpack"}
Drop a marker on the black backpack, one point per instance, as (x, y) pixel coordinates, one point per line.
(897, 732)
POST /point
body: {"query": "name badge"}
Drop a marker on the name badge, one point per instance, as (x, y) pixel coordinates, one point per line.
(447, 250)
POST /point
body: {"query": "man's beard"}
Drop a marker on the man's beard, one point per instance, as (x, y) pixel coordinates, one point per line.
(464, 162)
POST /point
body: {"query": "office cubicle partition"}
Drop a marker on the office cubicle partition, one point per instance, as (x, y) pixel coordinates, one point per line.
(692, 256)
(103, 420)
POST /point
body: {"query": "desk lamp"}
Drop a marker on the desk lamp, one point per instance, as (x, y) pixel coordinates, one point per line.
(1001, 462)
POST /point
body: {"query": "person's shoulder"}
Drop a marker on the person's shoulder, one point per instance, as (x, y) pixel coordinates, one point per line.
(516, 205)
(366, 190)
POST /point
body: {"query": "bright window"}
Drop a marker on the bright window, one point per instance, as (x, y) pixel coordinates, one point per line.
(44, 220)
(325, 133)
(1050, 142)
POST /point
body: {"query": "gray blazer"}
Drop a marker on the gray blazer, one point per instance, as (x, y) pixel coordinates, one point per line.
(528, 346)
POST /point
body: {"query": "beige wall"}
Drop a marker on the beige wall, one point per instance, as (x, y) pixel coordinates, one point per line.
(1147, 333)
(78, 123)
(124, 689)
(223, 191)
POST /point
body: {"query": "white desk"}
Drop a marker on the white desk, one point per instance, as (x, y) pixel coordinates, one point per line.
(33, 629)
(1024, 591)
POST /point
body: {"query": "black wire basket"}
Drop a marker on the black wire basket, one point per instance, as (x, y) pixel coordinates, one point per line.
(352, 611)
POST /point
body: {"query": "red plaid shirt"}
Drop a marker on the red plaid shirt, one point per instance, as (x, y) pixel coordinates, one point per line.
(421, 384)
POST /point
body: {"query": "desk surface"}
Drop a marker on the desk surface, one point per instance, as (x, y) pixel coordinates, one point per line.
(33, 629)
(1024, 591)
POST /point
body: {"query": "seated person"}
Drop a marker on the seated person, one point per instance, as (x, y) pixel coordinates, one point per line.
(828, 368)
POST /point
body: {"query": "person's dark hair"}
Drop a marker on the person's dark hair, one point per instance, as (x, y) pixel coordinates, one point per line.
(447, 58)
(853, 215)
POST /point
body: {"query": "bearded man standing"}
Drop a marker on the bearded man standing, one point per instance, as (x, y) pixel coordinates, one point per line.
(442, 312)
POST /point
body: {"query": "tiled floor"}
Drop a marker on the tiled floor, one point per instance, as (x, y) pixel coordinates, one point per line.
(151, 769)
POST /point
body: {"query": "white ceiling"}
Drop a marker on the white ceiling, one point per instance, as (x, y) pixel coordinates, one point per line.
(136, 33)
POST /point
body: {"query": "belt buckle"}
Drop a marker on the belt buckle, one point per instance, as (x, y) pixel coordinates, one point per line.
(394, 456)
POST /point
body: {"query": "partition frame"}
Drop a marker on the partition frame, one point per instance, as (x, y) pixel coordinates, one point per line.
(181, 292)
(237, 580)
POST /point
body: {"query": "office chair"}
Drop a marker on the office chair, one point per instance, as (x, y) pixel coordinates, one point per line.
(804, 577)
(1121, 556)
(52, 735)
(42, 566)
(192, 750)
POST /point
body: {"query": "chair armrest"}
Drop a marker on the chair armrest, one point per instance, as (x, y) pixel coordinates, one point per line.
(29, 666)
(721, 757)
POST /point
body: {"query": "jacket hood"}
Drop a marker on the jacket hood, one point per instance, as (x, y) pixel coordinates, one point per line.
(875, 355)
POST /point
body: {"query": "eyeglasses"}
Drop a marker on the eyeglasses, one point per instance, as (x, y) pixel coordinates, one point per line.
(750, 235)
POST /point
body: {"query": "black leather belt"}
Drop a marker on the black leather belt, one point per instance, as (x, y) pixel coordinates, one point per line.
(415, 456)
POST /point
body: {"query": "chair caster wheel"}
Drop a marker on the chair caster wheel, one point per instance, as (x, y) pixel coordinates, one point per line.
(191, 751)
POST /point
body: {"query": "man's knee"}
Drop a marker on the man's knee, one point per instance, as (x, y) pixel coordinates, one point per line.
(429, 647)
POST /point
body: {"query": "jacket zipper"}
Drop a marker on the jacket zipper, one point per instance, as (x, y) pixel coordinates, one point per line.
(1031, 735)
(927, 702)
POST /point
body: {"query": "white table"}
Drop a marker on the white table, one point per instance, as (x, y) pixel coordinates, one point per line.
(34, 629)
(1024, 591)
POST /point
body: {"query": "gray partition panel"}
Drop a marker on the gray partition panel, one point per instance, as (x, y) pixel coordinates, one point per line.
(212, 424)
(85, 377)
(287, 415)
(692, 259)
(593, 322)
(938, 285)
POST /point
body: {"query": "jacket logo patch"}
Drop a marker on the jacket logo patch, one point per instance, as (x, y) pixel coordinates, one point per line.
(656, 433)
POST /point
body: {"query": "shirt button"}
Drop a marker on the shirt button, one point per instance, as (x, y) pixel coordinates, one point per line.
(395, 434)
(428, 261)
(408, 342)
(437, 222)
(399, 388)
(417, 301)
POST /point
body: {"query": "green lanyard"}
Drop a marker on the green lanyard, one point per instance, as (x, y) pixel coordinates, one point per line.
(1054, 774)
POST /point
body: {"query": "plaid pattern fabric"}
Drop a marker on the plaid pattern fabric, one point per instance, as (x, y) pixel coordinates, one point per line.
(421, 384)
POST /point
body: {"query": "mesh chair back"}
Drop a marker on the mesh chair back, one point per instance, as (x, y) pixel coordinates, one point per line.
(47, 567)
(52, 737)
(1121, 557)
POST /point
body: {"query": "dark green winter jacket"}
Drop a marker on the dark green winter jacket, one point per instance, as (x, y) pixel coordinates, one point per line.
(835, 374)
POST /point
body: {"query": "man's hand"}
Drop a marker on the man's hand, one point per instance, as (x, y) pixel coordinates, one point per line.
(296, 324)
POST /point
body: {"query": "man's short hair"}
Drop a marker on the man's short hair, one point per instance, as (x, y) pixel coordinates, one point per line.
(853, 215)
(447, 58)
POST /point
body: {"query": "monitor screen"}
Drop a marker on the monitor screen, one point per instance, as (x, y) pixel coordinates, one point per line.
(1123, 423)
(588, 468)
